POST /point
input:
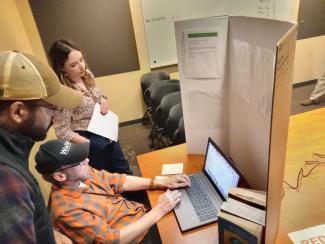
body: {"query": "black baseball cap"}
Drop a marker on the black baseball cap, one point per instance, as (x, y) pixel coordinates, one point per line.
(54, 154)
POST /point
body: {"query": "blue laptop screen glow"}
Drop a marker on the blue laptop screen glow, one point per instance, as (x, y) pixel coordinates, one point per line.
(220, 171)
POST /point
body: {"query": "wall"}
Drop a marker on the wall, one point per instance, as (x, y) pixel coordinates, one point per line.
(310, 59)
(310, 55)
(124, 90)
(13, 35)
(19, 32)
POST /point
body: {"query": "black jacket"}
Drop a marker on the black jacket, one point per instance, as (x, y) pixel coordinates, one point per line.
(14, 152)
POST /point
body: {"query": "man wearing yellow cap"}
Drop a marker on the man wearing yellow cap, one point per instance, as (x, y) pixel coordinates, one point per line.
(29, 93)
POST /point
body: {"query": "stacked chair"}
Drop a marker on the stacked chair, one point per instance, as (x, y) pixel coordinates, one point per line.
(179, 134)
(162, 98)
(174, 125)
(146, 80)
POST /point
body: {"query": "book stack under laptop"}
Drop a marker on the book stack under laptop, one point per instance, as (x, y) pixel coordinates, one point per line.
(242, 216)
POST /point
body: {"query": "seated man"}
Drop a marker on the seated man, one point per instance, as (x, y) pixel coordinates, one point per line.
(86, 204)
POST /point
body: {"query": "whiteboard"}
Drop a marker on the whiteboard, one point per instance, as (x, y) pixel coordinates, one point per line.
(159, 17)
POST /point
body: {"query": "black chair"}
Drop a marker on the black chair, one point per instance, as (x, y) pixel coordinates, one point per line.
(156, 96)
(146, 80)
(179, 134)
(147, 98)
(172, 122)
(153, 86)
(167, 102)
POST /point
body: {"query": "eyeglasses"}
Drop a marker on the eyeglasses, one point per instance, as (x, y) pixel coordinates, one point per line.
(43, 104)
(70, 166)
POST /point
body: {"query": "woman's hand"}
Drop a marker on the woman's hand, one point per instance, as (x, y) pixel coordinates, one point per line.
(103, 106)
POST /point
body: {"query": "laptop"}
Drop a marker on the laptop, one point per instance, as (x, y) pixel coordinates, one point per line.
(201, 203)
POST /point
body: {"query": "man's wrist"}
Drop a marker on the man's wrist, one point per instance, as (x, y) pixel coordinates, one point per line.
(156, 184)
(152, 184)
(157, 213)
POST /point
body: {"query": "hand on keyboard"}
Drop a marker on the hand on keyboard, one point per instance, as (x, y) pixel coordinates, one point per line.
(166, 202)
(176, 181)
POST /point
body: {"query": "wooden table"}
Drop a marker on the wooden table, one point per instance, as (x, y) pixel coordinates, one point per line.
(299, 210)
(303, 209)
(150, 166)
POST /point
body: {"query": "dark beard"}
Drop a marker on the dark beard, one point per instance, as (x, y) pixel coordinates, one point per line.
(29, 129)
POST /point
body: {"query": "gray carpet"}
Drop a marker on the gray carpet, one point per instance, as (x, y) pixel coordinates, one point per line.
(134, 140)
(300, 93)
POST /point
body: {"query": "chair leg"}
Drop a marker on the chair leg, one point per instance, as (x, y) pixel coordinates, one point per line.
(153, 135)
(147, 117)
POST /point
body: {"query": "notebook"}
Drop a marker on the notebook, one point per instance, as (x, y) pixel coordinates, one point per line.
(200, 207)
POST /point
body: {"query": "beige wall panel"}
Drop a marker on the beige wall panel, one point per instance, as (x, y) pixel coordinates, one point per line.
(310, 59)
(13, 35)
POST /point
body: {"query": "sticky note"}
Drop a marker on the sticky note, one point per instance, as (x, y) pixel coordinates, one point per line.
(172, 169)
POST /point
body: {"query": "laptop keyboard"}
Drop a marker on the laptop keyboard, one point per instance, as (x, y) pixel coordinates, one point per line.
(200, 199)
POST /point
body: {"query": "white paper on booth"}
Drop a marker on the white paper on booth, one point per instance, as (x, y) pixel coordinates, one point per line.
(314, 234)
(242, 74)
(104, 125)
(205, 109)
(262, 80)
(202, 53)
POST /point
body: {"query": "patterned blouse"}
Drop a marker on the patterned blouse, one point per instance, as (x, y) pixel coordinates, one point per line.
(94, 212)
(67, 121)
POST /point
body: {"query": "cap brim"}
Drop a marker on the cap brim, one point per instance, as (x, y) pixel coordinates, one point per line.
(79, 152)
(65, 98)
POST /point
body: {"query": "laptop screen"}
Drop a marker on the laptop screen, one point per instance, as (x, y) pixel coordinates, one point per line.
(219, 169)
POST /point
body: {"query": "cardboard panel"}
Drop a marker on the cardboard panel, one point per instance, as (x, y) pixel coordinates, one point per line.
(252, 110)
(251, 71)
(279, 129)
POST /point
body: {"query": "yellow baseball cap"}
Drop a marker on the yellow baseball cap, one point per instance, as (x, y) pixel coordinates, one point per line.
(24, 77)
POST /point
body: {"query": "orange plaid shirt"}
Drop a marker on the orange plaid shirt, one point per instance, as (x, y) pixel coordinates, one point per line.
(94, 213)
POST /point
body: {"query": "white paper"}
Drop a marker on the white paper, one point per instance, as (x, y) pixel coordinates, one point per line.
(205, 109)
(241, 71)
(104, 125)
(172, 169)
(245, 211)
(311, 235)
(262, 80)
(202, 53)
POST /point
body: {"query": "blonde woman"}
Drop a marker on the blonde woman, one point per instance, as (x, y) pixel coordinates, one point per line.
(71, 124)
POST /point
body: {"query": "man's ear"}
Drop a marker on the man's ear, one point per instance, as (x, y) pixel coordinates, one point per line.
(59, 176)
(18, 112)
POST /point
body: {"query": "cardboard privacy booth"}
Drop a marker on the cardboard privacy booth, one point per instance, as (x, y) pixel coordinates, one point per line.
(235, 76)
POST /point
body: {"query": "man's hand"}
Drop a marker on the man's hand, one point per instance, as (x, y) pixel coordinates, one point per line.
(167, 201)
(176, 181)
(103, 106)
(60, 238)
